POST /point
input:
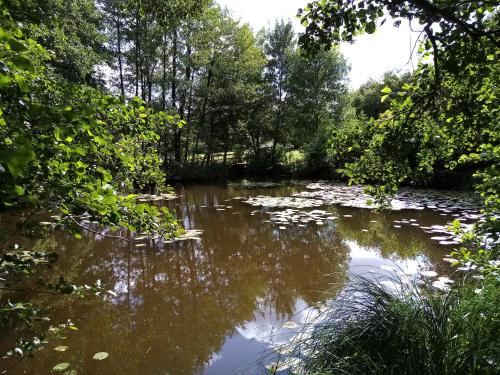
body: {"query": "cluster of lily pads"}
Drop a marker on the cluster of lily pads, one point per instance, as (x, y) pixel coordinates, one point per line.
(254, 184)
(301, 218)
(441, 233)
(466, 205)
(156, 197)
(190, 234)
(288, 202)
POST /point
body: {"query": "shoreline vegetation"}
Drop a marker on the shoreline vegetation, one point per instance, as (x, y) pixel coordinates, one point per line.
(387, 323)
(100, 100)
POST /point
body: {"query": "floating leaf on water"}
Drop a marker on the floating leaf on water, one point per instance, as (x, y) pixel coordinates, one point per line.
(100, 356)
(290, 325)
(445, 280)
(439, 238)
(429, 273)
(447, 243)
(61, 366)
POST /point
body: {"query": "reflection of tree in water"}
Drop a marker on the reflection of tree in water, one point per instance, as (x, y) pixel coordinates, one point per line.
(392, 243)
(178, 303)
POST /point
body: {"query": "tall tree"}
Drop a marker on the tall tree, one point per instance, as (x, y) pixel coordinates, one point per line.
(278, 44)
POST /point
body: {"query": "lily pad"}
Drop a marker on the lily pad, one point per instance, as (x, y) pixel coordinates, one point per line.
(100, 356)
(61, 366)
(290, 325)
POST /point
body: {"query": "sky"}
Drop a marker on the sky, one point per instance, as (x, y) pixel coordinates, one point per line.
(369, 57)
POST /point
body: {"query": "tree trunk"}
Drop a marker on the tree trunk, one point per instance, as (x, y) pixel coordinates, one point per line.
(205, 99)
(137, 48)
(177, 131)
(188, 117)
(164, 80)
(119, 50)
(210, 142)
(278, 118)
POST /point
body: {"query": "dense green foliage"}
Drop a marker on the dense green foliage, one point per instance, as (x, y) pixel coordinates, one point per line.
(66, 149)
(439, 124)
(239, 93)
(445, 117)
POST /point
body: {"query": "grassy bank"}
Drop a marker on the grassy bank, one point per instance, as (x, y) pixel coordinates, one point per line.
(374, 329)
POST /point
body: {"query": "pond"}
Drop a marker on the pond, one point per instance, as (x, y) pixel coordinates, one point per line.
(268, 257)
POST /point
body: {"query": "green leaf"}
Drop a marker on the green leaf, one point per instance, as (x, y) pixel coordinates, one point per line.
(22, 62)
(21, 83)
(370, 27)
(386, 90)
(4, 80)
(345, 172)
(19, 190)
(100, 356)
(61, 366)
(19, 160)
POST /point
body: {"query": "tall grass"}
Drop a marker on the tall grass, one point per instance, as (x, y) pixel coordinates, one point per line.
(373, 329)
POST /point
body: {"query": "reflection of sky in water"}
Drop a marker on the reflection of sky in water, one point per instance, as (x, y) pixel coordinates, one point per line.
(364, 259)
(257, 337)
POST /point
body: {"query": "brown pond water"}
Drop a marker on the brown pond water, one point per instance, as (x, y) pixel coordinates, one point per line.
(216, 305)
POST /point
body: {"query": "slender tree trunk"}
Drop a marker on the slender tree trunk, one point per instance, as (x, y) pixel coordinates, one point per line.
(164, 79)
(278, 118)
(188, 117)
(150, 88)
(177, 131)
(143, 85)
(205, 99)
(119, 50)
(226, 147)
(174, 69)
(137, 48)
(196, 142)
(210, 141)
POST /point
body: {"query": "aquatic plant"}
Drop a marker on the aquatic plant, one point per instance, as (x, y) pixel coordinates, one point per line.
(375, 329)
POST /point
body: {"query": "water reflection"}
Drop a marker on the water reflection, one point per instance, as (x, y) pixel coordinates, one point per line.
(216, 304)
